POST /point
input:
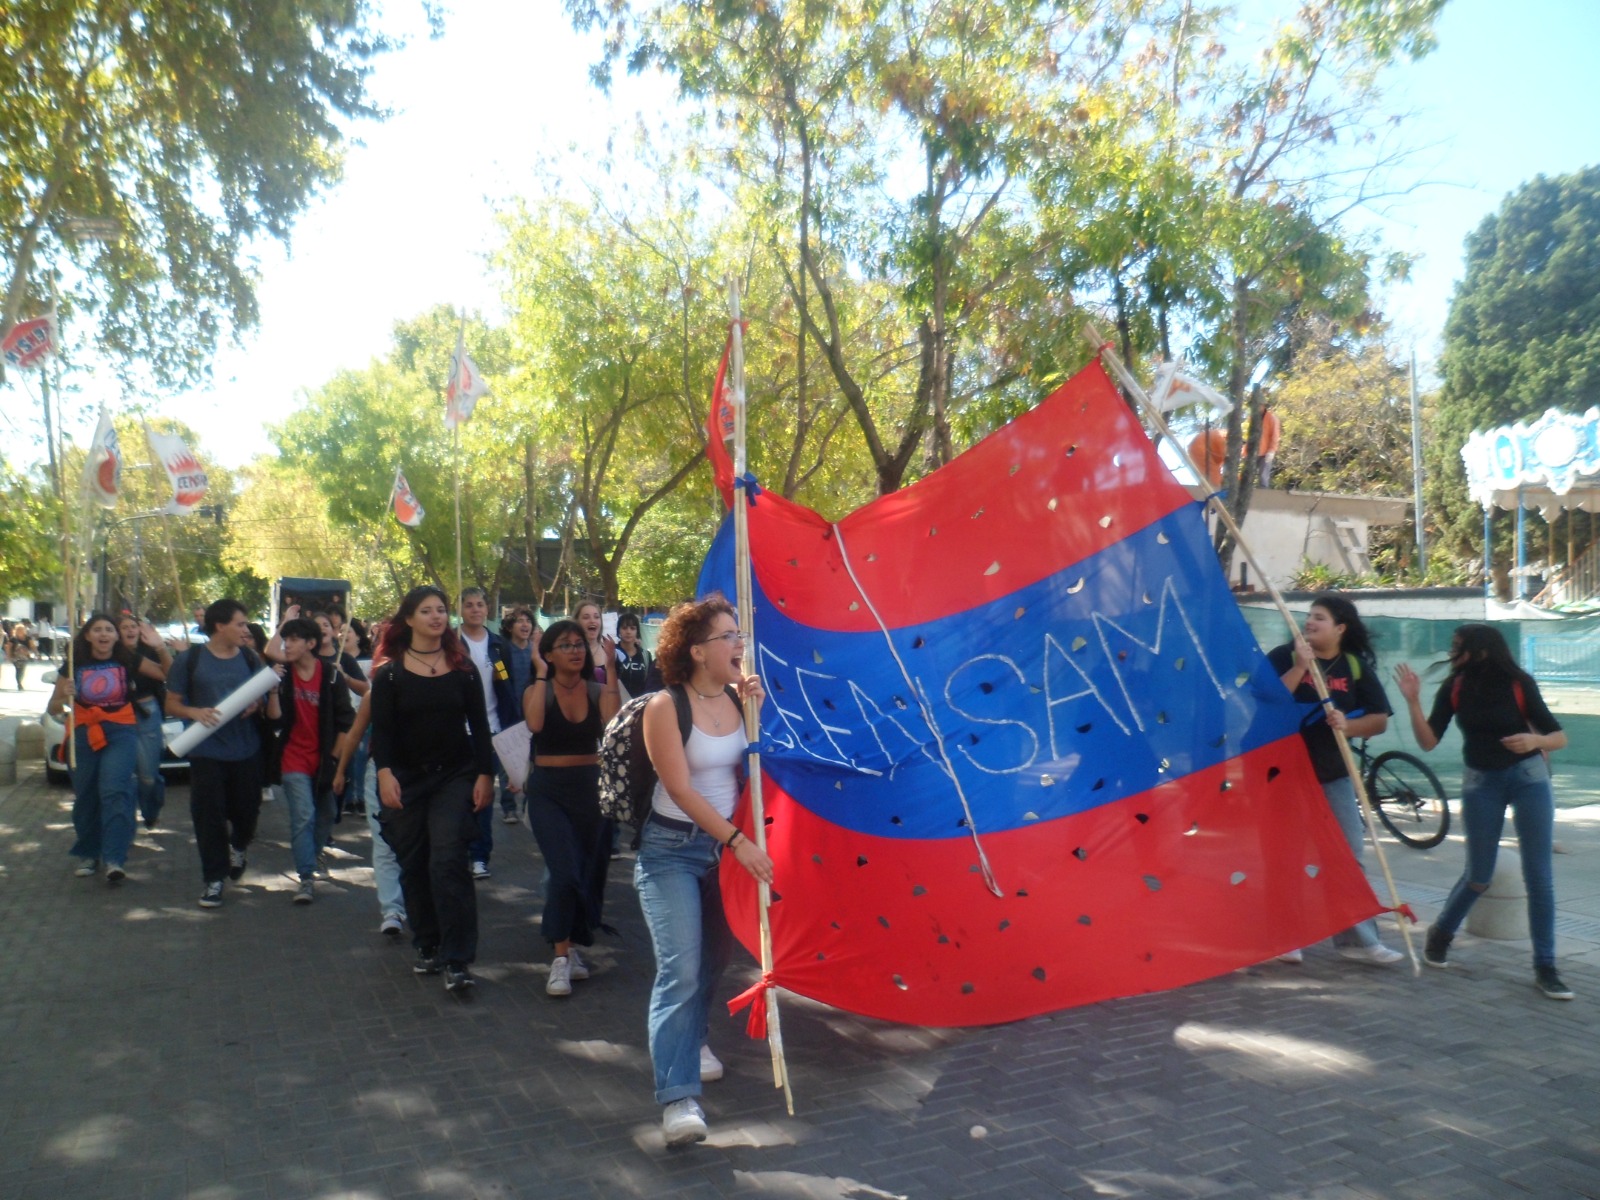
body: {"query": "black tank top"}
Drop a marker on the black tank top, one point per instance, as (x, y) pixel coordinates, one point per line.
(561, 736)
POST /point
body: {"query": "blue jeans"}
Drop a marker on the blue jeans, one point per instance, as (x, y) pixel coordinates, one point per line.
(1341, 794)
(1485, 795)
(676, 877)
(483, 845)
(385, 867)
(152, 788)
(299, 796)
(103, 794)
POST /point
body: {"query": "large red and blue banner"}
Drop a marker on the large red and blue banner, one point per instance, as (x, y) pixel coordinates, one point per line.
(1020, 750)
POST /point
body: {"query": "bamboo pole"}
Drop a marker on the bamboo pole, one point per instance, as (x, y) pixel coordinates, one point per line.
(1155, 417)
(752, 709)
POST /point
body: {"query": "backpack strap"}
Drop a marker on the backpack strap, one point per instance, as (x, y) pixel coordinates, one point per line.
(680, 701)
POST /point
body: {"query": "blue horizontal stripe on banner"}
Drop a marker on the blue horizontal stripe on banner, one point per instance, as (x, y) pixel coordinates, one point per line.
(1123, 671)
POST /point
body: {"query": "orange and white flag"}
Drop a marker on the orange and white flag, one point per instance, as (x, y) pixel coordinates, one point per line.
(184, 472)
(407, 508)
(102, 469)
(465, 386)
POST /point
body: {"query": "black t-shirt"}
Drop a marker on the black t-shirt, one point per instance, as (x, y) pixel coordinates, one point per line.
(145, 688)
(1354, 688)
(430, 722)
(634, 673)
(1488, 711)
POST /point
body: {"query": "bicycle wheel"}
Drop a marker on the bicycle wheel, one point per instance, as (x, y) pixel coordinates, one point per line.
(1409, 798)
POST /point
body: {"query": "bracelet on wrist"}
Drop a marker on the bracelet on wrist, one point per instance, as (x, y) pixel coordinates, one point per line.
(733, 837)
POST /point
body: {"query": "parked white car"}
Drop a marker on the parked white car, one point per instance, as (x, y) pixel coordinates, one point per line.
(55, 736)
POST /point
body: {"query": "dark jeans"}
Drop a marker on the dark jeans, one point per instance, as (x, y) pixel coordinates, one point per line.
(429, 835)
(223, 794)
(575, 840)
(483, 823)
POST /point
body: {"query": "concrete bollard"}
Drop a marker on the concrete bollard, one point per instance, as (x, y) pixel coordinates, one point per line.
(8, 748)
(1501, 913)
(30, 742)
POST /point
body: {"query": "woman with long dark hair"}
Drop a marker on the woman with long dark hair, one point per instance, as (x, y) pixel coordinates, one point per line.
(1506, 730)
(435, 764)
(701, 656)
(567, 711)
(105, 741)
(1336, 642)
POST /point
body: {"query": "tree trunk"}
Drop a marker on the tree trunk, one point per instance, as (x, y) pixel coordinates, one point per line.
(1238, 376)
(530, 525)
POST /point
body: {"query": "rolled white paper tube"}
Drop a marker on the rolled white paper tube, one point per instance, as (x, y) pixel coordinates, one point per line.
(234, 703)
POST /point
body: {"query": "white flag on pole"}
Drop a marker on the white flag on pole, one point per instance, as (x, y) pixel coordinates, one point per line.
(102, 469)
(407, 508)
(465, 386)
(1174, 390)
(184, 472)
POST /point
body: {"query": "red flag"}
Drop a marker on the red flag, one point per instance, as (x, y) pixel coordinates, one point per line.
(184, 472)
(719, 428)
(29, 342)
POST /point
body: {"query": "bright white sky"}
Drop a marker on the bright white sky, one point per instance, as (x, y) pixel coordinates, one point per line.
(1503, 98)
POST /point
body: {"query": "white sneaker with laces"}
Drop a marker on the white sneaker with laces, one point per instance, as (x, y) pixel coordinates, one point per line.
(682, 1122)
(480, 869)
(1378, 954)
(391, 925)
(86, 868)
(578, 969)
(560, 981)
(710, 1066)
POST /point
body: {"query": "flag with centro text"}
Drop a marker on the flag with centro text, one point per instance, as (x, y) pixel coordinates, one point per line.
(1020, 750)
(184, 472)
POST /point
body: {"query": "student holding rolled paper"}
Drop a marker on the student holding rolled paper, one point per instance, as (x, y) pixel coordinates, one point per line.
(225, 770)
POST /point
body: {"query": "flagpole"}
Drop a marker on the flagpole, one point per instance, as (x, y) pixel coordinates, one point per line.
(1155, 417)
(455, 438)
(752, 708)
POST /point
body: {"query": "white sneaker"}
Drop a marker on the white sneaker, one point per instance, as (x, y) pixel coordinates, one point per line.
(1377, 953)
(560, 981)
(710, 1066)
(391, 925)
(1294, 957)
(480, 869)
(682, 1122)
(578, 969)
(86, 868)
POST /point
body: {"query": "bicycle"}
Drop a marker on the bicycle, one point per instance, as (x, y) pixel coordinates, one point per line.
(1406, 795)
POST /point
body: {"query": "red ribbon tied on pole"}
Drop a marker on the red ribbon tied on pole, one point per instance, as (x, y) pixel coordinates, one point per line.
(755, 996)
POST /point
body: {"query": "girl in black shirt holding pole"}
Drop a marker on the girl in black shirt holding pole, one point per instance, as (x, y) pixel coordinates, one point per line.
(430, 745)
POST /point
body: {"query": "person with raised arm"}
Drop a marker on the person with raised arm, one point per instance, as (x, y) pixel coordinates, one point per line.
(1507, 730)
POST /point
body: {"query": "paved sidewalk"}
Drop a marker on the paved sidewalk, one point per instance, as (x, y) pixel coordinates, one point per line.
(148, 1048)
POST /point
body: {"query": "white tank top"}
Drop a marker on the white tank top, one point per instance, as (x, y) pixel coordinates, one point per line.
(713, 766)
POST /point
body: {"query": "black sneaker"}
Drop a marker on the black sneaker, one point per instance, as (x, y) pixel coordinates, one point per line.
(457, 978)
(212, 896)
(236, 863)
(1548, 982)
(1436, 948)
(427, 962)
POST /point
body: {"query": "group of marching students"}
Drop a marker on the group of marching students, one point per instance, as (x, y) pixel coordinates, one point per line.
(420, 749)
(415, 740)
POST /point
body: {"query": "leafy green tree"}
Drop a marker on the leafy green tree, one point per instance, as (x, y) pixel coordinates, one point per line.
(1523, 333)
(186, 131)
(30, 533)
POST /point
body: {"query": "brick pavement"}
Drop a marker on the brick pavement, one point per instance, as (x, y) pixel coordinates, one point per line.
(148, 1048)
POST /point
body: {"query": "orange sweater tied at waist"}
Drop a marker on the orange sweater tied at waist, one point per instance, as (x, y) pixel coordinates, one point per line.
(90, 719)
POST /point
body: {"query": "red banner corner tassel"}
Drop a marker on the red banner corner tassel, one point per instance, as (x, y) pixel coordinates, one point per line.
(755, 997)
(1406, 911)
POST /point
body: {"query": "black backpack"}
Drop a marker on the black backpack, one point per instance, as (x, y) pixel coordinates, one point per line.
(627, 776)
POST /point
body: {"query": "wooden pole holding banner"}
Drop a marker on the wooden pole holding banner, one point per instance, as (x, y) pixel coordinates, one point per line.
(752, 709)
(1158, 420)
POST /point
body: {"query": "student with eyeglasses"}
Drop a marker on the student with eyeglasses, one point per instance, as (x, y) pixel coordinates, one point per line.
(701, 656)
(567, 711)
